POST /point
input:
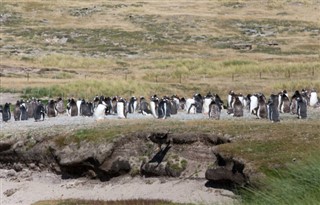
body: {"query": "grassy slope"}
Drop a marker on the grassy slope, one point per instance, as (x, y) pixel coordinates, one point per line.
(136, 48)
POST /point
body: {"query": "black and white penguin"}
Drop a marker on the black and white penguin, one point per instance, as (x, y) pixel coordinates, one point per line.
(229, 99)
(262, 107)
(273, 111)
(154, 101)
(173, 105)
(17, 111)
(100, 111)
(215, 108)
(294, 103)
(253, 104)
(301, 107)
(176, 101)
(122, 108)
(198, 102)
(285, 103)
(144, 106)
(206, 103)
(24, 113)
(163, 109)
(132, 107)
(39, 112)
(86, 108)
(72, 108)
(6, 113)
(313, 98)
(60, 108)
(79, 101)
(31, 106)
(182, 103)
(237, 107)
(190, 106)
(51, 111)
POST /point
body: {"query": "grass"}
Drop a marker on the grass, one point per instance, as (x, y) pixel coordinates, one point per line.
(297, 184)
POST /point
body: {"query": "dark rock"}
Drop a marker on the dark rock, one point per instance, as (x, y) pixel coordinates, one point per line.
(116, 167)
(10, 192)
(223, 174)
(4, 146)
(17, 167)
(153, 169)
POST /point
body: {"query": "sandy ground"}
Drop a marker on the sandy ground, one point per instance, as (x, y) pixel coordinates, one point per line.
(37, 186)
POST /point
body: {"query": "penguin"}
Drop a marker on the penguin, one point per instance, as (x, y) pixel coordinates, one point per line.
(253, 104)
(154, 106)
(17, 111)
(230, 94)
(51, 111)
(190, 106)
(176, 101)
(273, 111)
(24, 113)
(182, 103)
(173, 105)
(198, 102)
(72, 108)
(144, 106)
(132, 104)
(215, 108)
(313, 98)
(262, 107)
(60, 106)
(121, 108)
(293, 103)
(285, 104)
(39, 112)
(86, 108)
(206, 103)
(302, 107)
(114, 102)
(31, 106)
(237, 107)
(100, 112)
(78, 103)
(163, 111)
(6, 113)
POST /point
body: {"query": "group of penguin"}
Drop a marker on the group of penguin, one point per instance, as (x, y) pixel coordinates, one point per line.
(258, 105)
(162, 108)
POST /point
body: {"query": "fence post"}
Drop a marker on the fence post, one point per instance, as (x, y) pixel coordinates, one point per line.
(232, 76)
(28, 76)
(180, 79)
(313, 71)
(260, 75)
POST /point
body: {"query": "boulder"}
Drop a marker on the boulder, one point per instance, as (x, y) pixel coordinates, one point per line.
(223, 174)
(116, 167)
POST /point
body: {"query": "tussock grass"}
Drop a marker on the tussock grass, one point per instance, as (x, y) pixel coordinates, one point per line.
(297, 184)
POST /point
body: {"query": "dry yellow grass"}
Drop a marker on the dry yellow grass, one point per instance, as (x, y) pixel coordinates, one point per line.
(217, 20)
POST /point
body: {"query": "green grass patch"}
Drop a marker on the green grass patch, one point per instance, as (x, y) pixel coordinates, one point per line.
(297, 184)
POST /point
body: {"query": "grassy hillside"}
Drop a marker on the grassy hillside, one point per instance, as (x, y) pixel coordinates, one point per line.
(141, 48)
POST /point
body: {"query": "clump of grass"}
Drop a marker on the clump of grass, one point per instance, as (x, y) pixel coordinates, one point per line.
(298, 184)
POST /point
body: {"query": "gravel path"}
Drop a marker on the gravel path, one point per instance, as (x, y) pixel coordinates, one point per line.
(79, 121)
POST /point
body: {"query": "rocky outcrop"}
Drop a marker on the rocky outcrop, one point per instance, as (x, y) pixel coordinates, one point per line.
(184, 154)
(227, 170)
